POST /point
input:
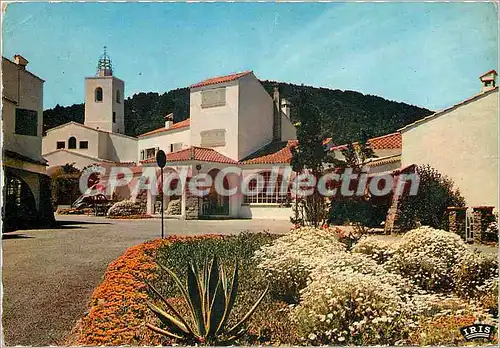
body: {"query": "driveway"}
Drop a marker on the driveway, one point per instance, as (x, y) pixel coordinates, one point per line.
(49, 274)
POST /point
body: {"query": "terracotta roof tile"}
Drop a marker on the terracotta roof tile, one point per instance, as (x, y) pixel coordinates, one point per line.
(488, 72)
(195, 153)
(220, 79)
(388, 141)
(178, 125)
(276, 152)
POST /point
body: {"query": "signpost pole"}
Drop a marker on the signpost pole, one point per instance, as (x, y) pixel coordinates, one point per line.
(162, 199)
(161, 161)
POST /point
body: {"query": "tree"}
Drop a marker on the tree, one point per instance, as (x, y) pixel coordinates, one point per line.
(436, 192)
(65, 185)
(309, 157)
(360, 210)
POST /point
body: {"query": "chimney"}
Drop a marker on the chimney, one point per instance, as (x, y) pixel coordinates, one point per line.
(20, 61)
(488, 80)
(276, 115)
(169, 121)
(285, 107)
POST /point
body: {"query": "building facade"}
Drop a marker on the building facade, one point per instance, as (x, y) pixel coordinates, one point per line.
(461, 142)
(27, 198)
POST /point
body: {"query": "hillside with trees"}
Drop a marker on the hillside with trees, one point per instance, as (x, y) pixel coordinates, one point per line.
(344, 114)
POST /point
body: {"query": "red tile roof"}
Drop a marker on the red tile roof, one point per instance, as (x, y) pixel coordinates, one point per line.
(195, 153)
(488, 72)
(178, 125)
(388, 141)
(220, 79)
(273, 153)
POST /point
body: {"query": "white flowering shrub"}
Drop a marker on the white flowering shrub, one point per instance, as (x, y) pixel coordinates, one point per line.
(472, 271)
(125, 208)
(351, 308)
(378, 250)
(427, 256)
(289, 260)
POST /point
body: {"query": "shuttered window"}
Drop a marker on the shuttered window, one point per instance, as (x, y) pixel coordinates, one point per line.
(213, 97)
(214, 137)
(26, 122)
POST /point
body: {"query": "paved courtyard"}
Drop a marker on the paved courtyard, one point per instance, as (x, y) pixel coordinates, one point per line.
(49, 275)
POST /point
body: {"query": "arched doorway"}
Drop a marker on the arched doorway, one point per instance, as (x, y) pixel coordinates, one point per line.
(215, 204)
(20, 207)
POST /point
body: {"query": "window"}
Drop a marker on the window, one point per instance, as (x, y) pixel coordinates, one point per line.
(150, 153)
(84, 144)
(98, 94)
(142, 155)
(26, 122)
(213, 97)
(214, 137)
(263, 197)
(175, 147)
(114, 117)
(60, 145)
(118, 96)
(72, 143)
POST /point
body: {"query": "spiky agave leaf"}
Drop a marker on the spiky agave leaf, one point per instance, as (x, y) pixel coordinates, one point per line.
(230, 297)
(182, 289)
(196, 295)
(168, 320)
(217, 309)
(164, 332)
(177, 315)
(237, 327)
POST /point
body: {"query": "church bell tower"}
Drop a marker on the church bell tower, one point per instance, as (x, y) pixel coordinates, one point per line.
(104, 103)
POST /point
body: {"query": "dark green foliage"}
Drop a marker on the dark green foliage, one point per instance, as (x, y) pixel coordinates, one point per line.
(367, 212)
(428, 207)
(343, 113)
(65, 185)
(310, 155)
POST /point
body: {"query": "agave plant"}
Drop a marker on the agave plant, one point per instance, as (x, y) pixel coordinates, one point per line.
(210, 300)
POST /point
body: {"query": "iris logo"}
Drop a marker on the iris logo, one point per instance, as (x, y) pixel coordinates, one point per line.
(477, 331)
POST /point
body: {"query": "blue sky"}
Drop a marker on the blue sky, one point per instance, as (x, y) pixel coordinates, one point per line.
(427, 54)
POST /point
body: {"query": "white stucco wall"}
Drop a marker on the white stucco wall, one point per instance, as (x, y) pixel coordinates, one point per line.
(26, 90)
(463, 144)
(59, 158)
(121, 148)
(255, 116)
(164, 139)
(219, 117)
(288, 130)
(100, 114)
(64, 132)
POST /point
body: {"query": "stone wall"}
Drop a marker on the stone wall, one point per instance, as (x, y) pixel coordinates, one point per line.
(192, 206)
(457, 220)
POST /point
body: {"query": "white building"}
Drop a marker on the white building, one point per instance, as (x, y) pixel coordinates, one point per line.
(233, 120)
(27, 187)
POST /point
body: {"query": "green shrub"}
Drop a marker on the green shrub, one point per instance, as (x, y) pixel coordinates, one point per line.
(288, 261)
(350, 308)
(378, 250)
(428, 207)
(427, 256)
(369, 213)
(472, 271)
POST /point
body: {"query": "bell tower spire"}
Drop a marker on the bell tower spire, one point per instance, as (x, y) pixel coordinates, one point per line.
(104, 65)
(104, 98)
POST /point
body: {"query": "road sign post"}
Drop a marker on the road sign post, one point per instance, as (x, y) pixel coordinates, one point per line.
(161, 161)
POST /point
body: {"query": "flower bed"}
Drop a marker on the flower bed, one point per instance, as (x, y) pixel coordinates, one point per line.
(118, 306)
(349, 297)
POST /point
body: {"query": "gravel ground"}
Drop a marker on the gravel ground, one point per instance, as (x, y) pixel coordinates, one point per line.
(49, 275)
